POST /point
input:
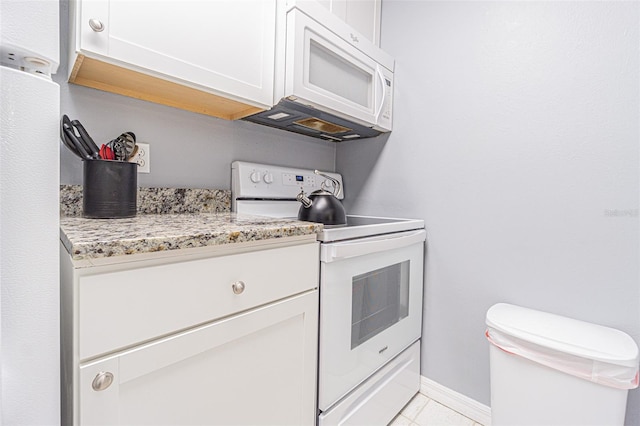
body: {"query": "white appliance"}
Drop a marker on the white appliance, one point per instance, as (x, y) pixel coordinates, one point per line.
(337, 85)
(371, 283)
(29, 214)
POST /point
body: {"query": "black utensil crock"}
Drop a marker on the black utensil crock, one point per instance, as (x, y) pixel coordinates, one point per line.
(110, 189)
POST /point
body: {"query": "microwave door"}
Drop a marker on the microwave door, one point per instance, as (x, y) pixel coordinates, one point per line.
(327, 72)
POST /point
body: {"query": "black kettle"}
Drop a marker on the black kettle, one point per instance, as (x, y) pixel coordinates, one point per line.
(322, 206)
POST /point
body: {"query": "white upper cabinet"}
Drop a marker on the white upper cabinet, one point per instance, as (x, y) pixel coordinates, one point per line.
(223, 51)
(216, 57)
(362, 15)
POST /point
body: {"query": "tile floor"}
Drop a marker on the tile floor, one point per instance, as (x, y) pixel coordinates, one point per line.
(422, 411)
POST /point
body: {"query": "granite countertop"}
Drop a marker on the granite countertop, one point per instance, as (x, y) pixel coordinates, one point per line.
(147, 233)
(167, 219)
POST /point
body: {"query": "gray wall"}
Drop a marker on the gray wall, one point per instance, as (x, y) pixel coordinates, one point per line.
(187, 149)
(516, 139)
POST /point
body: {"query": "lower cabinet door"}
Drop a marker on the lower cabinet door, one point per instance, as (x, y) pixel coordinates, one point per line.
(255, 368)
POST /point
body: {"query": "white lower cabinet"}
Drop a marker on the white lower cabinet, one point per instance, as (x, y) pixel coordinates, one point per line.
(256, 366)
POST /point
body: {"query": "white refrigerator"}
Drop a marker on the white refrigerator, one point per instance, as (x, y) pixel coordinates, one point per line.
(29, 213)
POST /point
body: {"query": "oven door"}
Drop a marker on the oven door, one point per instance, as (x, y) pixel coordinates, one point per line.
(370, 307)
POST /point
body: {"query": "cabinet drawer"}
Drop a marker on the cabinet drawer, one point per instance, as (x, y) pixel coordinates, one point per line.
(119, 309)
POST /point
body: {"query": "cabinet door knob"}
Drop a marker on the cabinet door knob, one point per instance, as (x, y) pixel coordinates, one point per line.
(96, 25)
(238, 287)
(102, 381)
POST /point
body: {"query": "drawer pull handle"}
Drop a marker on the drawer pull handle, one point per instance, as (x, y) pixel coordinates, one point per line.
(238, 287)
(96, 25)
(102, 381)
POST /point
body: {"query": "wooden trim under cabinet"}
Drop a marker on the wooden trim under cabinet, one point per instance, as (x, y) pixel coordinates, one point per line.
(100, 75)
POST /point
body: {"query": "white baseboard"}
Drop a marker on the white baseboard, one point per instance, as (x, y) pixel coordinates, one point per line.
(456, 401)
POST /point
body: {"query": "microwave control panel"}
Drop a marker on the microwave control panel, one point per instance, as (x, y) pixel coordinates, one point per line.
(385, 118)
(388, 97)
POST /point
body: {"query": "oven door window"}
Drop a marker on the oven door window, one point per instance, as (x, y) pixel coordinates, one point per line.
(379, 300)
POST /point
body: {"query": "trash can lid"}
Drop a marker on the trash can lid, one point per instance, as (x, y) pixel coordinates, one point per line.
(565, 335)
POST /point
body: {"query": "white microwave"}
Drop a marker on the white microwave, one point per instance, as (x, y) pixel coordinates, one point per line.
(336, 84)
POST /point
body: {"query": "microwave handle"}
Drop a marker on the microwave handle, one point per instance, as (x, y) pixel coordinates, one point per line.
(383, 91)
(337, 251)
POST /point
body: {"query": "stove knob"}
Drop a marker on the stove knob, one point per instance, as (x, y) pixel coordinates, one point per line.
(268, 178)
(255, 177)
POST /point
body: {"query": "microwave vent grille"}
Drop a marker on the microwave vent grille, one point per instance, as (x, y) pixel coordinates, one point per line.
(321, 125)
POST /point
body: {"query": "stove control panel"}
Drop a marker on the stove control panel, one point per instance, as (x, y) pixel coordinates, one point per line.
(299, 180)
(263, 181)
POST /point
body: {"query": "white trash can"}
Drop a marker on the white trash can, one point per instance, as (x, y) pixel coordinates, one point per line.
(550, 370)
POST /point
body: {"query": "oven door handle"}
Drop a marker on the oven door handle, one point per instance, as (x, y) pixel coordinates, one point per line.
(337, 251)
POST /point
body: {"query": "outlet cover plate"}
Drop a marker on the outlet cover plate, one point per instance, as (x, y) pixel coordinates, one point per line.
(142, 157)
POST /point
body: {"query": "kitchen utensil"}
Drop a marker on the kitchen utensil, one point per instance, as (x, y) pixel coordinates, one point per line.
(84, 137)
(71, 139)
(123, 146)
(66, 140)
(133, 152)
(322, 206)
(129, 136)
(77, 139)
(130, 142)
(106, 153)
(119, 149)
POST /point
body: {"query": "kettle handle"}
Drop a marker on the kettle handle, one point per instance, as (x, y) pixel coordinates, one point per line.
(336, 183)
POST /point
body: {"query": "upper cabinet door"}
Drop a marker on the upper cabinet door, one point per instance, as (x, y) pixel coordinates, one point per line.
(224, 46)
(362, 15)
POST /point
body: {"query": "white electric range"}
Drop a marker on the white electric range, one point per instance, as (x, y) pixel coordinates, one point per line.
(371, 281)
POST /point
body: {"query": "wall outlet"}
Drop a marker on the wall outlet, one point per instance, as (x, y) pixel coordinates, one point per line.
(142, 157)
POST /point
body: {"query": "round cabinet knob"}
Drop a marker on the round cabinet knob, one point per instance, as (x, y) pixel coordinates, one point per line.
(238, 287)
(255, 177)
(96, 25)
(268, 178)
(102, 381)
